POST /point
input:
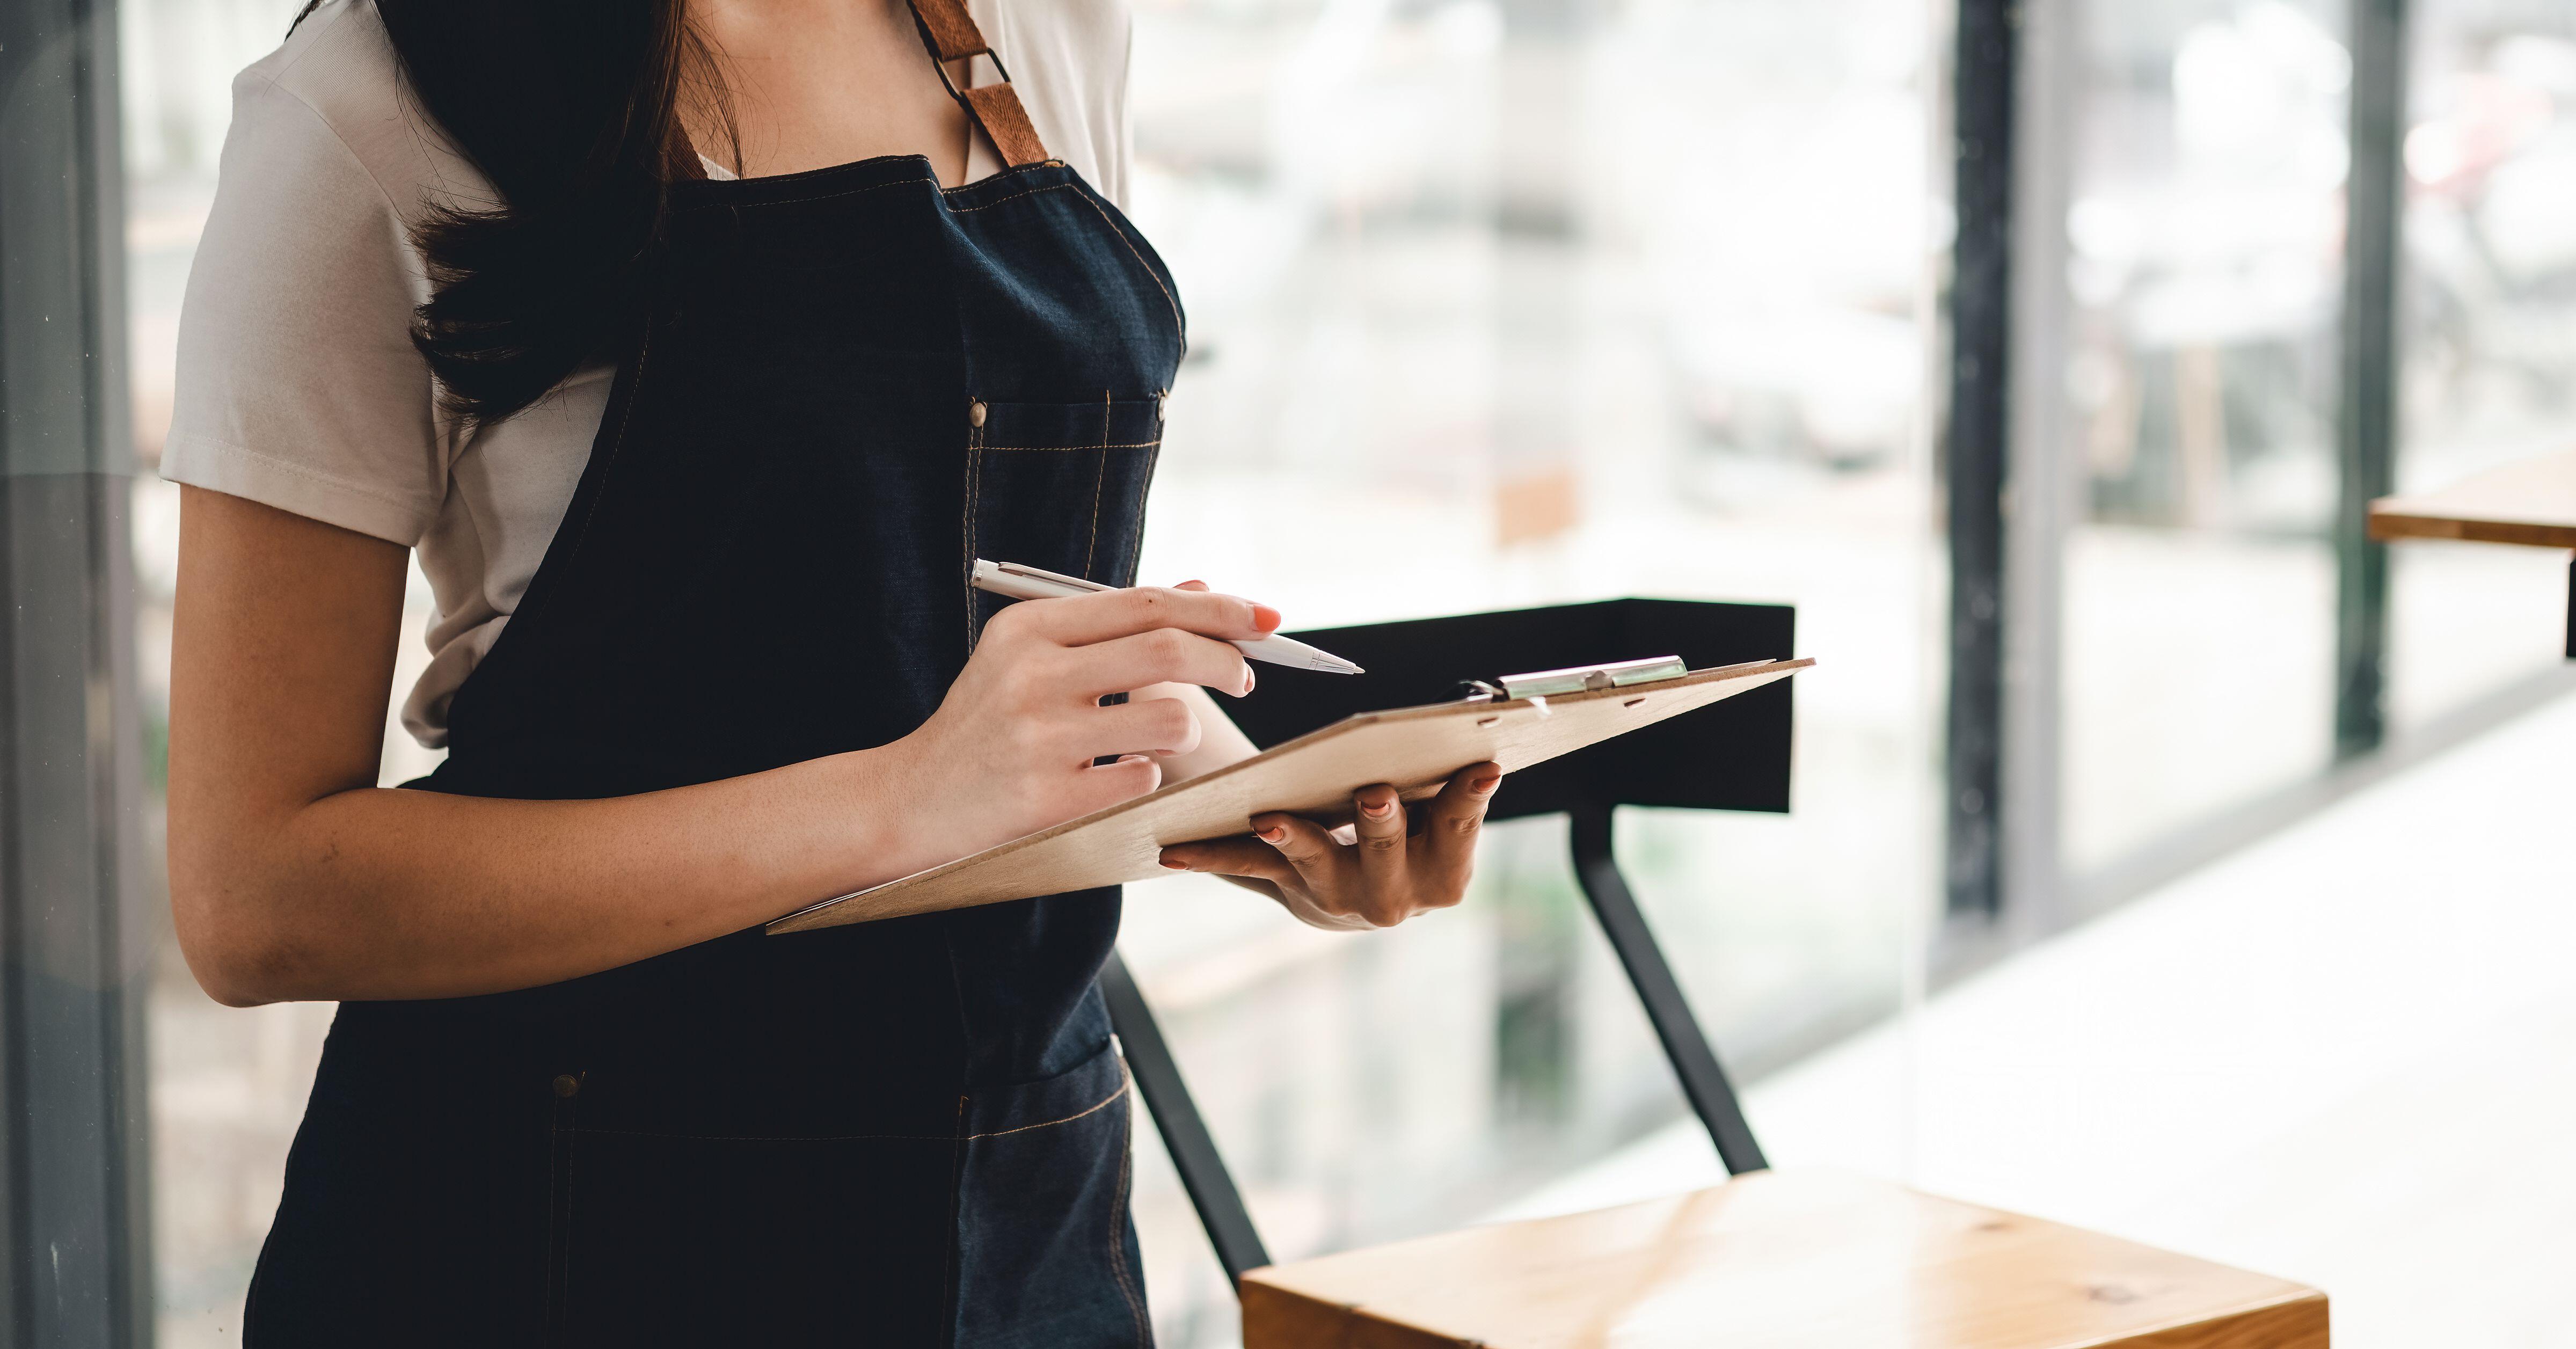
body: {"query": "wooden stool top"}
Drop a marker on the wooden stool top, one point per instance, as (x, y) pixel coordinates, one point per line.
(1801, 1259)
(2532, 502)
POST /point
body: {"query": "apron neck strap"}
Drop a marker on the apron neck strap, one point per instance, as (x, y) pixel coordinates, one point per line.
(951, 35)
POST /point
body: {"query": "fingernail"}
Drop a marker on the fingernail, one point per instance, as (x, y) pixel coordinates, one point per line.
(1480, 786)
(1378, 811)
(1176, 866)
(1273, 835)
(1265, 618)
(1248, 680)
(1193, 581)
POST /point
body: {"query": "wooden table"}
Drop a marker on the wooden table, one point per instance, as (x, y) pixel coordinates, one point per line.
(2531, 503)
(1776, 1260)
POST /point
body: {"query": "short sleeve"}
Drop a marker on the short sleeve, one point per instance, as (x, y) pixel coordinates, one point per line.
(297, 383)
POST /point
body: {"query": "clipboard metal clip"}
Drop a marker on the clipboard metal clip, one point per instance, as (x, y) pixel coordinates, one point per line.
(1589, 678)
(1478, 691)
(1536, 687)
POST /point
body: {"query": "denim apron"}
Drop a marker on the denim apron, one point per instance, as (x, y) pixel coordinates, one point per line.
(910, 1132)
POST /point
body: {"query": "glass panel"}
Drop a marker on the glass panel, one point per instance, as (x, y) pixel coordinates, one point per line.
(2205, 270)
(228, 1086)
(1503, 305)
(2489, 336)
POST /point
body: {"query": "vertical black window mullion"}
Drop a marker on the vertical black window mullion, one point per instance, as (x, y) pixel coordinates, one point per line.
(2366, 410)
(1974, 448)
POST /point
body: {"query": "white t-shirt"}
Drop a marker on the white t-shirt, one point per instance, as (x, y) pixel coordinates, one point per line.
(298, 386)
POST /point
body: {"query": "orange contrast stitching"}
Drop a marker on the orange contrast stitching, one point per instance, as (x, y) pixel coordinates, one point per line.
(1118, 1227)
(1136, 537)
(1099, 481)
(1062, 449)
(974, 476)
(1029, 192)
(1148, 268)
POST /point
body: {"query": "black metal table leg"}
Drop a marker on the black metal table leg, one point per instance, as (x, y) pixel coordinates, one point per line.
(1185, 1133)
(2571, 608)
(1703, 1081)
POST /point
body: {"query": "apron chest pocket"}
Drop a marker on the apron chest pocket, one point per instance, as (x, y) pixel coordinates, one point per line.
(1059, 486)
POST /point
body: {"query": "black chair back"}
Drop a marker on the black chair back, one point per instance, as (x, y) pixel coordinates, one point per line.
(1732, 755)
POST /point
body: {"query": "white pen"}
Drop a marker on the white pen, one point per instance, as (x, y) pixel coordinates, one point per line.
(1030, 583)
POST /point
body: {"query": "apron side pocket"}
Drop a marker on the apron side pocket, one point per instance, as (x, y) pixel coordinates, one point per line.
(1044, 1248)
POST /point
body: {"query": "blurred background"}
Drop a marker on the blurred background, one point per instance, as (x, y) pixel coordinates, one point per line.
(1507, 302)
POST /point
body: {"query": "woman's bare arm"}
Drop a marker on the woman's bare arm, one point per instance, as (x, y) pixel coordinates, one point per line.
(293, 876)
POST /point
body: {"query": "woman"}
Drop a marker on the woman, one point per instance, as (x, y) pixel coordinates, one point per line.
(737, 336)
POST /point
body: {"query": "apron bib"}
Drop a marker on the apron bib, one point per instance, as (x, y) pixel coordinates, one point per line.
(911, 1132)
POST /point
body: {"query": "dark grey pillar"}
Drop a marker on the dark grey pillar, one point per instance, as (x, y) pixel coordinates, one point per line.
(2366, 425)
(1974, 449)
(75, 917)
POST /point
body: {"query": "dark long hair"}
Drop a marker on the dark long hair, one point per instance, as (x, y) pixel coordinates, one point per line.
(572, 109)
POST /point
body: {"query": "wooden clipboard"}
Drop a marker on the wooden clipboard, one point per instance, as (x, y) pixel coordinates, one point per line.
(1415, 748)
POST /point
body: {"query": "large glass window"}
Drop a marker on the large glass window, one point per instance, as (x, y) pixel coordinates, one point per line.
(1506, 304)
(2489, 312)
(2205, 266)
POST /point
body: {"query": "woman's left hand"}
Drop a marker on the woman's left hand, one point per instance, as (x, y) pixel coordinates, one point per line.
(1401, 861)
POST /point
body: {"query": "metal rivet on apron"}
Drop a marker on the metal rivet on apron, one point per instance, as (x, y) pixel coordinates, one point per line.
(566, 1084)
(975, 413)
(1162, 401)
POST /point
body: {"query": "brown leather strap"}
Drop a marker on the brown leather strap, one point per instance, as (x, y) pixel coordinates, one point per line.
(950, 34)
(948, 30)
(997, 107)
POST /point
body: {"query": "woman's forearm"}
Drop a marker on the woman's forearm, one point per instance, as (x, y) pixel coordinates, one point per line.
(388, 893)
(379, 893)
(292, 876)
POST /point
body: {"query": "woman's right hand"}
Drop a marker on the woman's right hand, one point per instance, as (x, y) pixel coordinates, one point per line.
(1011, 748)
